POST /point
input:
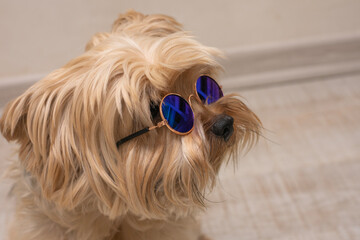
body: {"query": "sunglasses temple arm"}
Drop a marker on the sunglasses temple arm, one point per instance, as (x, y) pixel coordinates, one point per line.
(134, 135)
(138, 133)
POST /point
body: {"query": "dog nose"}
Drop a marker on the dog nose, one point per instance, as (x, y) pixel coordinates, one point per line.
(223, 126)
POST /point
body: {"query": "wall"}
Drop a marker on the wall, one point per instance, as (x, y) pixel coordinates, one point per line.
(40, 35)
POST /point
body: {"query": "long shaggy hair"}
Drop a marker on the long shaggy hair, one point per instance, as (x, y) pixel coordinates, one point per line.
(72, 182)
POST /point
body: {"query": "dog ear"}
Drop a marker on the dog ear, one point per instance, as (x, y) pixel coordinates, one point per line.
(127, 18)
(67, 125)
(13, 120)
(47, 151)
(154, 25)
(96, 39)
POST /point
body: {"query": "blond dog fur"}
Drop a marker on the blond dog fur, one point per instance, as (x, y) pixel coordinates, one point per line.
(72, 182)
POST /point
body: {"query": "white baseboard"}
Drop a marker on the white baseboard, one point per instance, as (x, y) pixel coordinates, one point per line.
(304, 60)
(261, 66)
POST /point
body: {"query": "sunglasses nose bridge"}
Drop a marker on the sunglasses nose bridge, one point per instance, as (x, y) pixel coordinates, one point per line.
(189, 100)
(196, 98)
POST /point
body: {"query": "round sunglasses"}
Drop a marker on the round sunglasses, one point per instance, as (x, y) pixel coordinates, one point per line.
(176, 112)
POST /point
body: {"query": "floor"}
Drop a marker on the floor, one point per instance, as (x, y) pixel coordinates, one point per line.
(302, 181)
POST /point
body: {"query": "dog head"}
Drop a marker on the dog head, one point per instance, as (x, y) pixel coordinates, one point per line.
(68, 123)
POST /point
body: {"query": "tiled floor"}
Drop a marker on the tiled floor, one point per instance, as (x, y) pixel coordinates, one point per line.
(302, 181)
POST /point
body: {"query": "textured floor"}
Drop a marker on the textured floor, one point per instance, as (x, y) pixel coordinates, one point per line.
(302, 181)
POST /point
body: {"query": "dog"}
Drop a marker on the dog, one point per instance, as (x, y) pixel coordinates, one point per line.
(98, 156)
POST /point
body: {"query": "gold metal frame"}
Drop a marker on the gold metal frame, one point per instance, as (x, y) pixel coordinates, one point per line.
(197, 92)
(164, 121)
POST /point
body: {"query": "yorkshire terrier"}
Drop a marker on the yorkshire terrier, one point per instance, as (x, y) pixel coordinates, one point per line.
(124, 141)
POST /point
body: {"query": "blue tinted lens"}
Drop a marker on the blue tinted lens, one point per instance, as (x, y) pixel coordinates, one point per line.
(208, 90)
(177, 113)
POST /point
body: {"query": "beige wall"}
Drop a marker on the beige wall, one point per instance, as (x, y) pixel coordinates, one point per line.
(38, 36)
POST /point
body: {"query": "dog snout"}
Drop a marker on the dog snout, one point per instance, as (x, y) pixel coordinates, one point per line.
(223, 126)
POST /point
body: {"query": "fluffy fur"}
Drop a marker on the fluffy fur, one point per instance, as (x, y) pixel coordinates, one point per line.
(72, 182)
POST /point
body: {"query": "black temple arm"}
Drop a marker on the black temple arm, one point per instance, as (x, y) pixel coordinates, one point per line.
(136, 134)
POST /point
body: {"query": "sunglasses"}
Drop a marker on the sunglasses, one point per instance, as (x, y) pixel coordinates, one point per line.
(176, 112)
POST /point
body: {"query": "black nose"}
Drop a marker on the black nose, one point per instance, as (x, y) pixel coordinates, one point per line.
(223, 126)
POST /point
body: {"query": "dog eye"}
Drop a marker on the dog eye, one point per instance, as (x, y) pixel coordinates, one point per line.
(154, 109)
